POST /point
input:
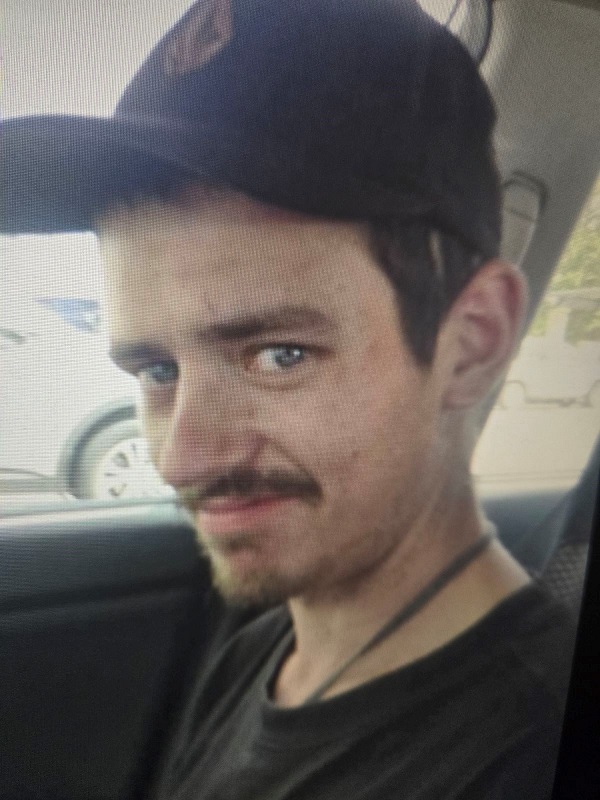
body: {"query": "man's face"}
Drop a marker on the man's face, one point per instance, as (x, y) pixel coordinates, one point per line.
(280, 398)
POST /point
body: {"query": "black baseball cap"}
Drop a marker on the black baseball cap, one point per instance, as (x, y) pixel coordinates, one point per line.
(350, 109)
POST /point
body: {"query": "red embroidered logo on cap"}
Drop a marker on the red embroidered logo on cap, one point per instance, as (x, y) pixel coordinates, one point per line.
(206, 29)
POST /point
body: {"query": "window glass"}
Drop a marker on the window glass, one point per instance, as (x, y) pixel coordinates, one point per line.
(547, 417)
(446, 11)
(68, 413)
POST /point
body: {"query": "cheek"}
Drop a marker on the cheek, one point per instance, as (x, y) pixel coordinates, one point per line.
(355, 440)
(378, 452)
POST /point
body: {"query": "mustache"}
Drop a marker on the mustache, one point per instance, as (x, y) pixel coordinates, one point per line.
(247, 483)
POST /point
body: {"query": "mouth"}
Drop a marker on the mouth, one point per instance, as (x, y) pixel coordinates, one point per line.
(229, 515)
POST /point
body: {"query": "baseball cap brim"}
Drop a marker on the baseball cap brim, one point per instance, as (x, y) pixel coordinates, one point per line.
(60, 172)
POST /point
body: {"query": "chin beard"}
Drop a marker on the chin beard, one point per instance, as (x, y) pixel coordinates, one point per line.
(266, 590)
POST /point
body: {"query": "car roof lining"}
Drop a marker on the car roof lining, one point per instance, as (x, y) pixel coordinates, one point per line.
(547, 129)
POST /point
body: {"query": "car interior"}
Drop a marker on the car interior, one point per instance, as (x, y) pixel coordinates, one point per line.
(107, 610)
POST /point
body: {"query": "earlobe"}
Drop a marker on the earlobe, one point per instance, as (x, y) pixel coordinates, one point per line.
(483, 328)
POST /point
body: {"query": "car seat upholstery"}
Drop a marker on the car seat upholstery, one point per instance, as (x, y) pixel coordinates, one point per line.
(564, 535)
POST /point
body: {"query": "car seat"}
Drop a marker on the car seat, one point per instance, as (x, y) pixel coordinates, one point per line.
(559, 545)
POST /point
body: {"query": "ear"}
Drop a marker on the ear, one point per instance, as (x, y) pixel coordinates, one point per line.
(481, 332)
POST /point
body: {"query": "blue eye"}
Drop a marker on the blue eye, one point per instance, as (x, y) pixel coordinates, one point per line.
(159, 374)
(279, 358)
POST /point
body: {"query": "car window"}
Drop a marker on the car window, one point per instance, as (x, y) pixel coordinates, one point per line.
(68, 414)
(547, 416)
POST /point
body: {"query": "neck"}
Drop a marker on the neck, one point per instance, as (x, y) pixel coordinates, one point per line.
(331, 626)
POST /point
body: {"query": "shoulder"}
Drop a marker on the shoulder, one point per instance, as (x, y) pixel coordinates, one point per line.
(514, 667)
(255, 641)
(237, 653)
(226, 624)
(535, 636)
(241, 642)
(522, 770)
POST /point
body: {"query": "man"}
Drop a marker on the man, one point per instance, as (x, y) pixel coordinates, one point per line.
(298, 209)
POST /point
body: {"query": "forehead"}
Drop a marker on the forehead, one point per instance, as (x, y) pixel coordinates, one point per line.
(211, 253)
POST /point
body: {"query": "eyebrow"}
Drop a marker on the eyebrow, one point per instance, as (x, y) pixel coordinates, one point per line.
(238, 327)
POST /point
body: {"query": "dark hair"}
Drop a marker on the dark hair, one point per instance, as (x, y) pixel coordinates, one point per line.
(428, 269)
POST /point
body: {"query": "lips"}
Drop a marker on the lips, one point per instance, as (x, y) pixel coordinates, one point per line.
(226, 505)
(230, 515)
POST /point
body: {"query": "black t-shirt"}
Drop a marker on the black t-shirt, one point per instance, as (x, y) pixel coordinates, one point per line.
(478, 719)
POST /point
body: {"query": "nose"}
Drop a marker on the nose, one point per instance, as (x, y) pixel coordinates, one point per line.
(207, 433)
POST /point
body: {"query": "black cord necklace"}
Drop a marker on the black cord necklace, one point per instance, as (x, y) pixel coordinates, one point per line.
(416, 604)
